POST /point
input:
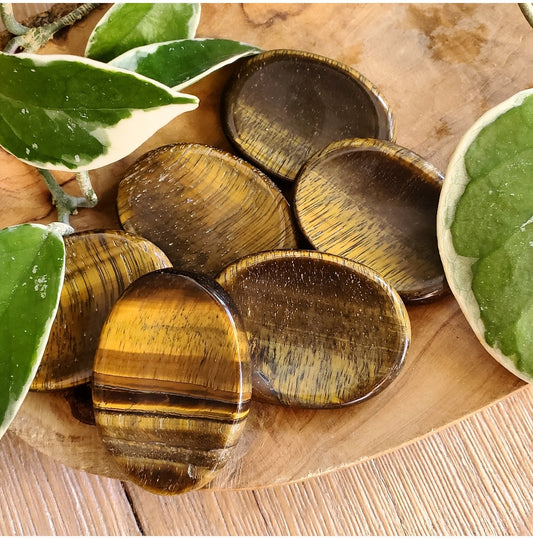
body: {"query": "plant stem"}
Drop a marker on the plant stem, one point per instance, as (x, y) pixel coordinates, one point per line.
(86, 188)
(34, 38)
(8, 18)
(67, 204)
(61, 228)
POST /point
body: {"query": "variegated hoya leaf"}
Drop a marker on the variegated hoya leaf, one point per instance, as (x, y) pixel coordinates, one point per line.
(485, 228)
(72, 113)
(180, 63)
(32, 267)
(131, 25)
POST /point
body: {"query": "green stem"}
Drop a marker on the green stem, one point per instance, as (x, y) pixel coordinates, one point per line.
(67, 204)
(34, 38)
(86, 188)
(8, 18)
(61, 228)
(74, 16)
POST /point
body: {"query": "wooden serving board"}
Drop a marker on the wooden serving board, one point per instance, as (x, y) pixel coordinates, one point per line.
(439, 67)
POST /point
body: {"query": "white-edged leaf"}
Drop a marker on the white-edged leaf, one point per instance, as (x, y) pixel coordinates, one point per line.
(131, 25)
(485, 231)
(71, 113)
(180, 63)
(32, 268)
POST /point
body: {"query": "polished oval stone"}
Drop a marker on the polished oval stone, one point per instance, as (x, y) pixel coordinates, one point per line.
(284, 105)
(323, 331)
(375, 203)
(203, 206)
(171, 386)
(99, 265)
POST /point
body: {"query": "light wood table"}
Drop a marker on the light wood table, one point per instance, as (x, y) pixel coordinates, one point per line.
(474, 477)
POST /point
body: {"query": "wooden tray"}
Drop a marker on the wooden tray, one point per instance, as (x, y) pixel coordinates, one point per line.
(440, 67)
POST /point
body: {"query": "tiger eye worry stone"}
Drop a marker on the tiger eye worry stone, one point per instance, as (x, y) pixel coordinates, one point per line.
(99, 265)
(282, 106)
(204, 207)
(172, 382)
(323, 331)
(375, 203)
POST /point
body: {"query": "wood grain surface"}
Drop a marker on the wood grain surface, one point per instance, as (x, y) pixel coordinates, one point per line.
(473, 478)
(476, 476)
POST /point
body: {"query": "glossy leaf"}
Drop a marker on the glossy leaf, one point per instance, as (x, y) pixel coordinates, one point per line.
(180, 63)
(32, 265)
(131, 25)
(485, 227)
(71, 113)
(494, 223)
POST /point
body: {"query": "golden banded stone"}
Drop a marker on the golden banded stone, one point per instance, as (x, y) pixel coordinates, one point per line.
(99, 266)
(283, 105)
(172, 382)
(203, 207)
(375, 203)
(323, 331)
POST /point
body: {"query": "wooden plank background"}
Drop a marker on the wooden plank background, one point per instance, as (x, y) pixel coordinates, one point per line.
(473, 478)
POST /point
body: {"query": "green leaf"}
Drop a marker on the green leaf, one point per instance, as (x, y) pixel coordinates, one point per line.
(32, 265)
(71, 113)
(503, 285)
(180, 63)
(494, 223)
(485, 228)
(127, 26)
(494, 205)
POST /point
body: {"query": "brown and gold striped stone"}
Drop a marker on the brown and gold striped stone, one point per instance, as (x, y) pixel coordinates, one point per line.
(99, 266)
(375, 203)
(172, 382)
(284, 105)
(203, 207)
(323, 331)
